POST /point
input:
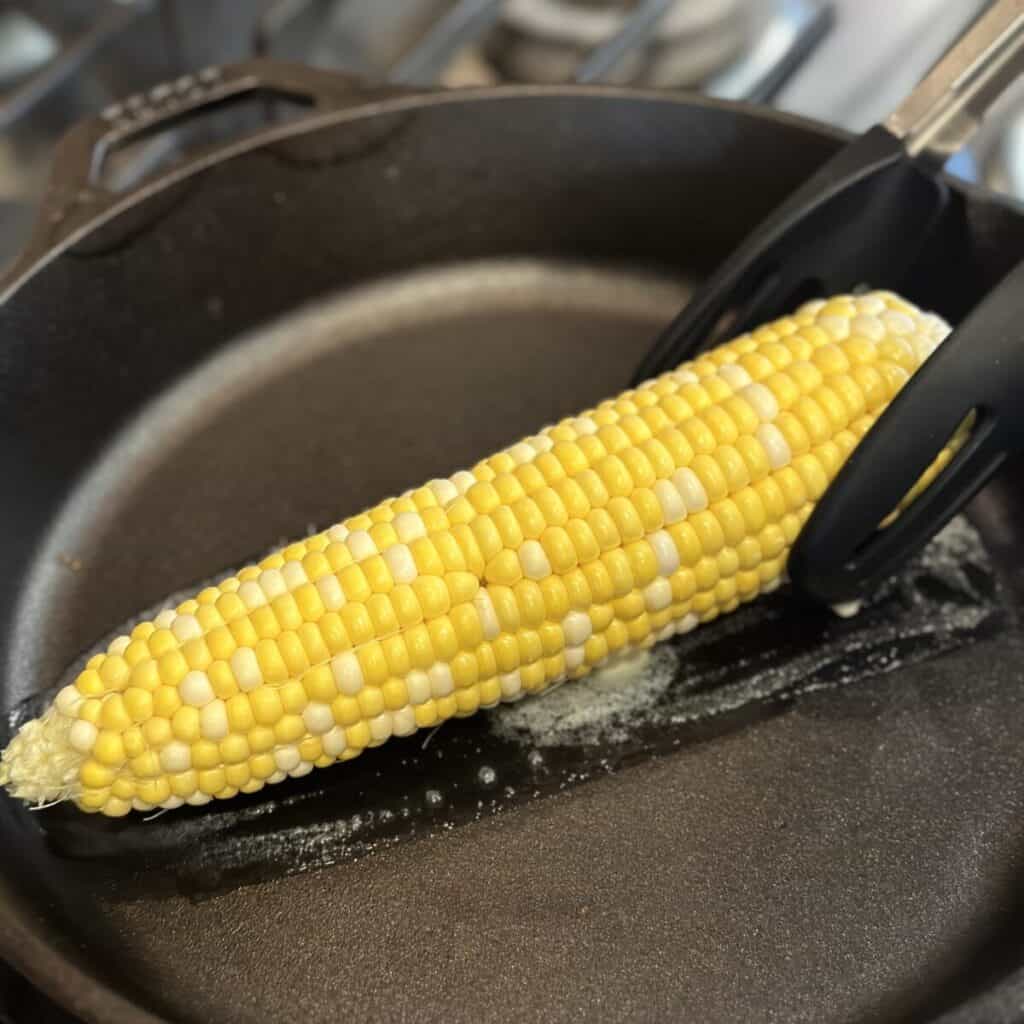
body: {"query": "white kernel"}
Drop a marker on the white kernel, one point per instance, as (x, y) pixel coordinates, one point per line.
(871, 304)
(868, 326)
(185, 627)
(812, 306)
(761, 400)
(198, 799)
(339, 533)
(318, 718)
(682, 377)
(667, 632)
(511, 685)
(418, 685)
(165, 618)
(294, 575)
(347, 672)
(361, 545)
(574, 657)
(278, 776)
(687, 623)
(836, 327)
(246, 669)
(141, 805)
(213, 720)
(409, 526)
(287, 758)
(672, 507)
(534, 560)
(67, 700)
(898, 323)
(690, 489)
(172, 803)
(664, 551)
(648, 641)
(120, 645)
(775, 445)
(441, 682)
(330, 592)
(334, 742)
(401, 563)
(733, 375)
(923, 345)
(541, 442)
(463, 480)
(657, 595)
(380, 727)
(272, 583)
(577, 628)
(488, 616)
(176, 757)
(82, 736)
(195, 689)
(444, 491)
(251, 594)
(584, 426)
(303, 768)
(403, 722)
(521, 452)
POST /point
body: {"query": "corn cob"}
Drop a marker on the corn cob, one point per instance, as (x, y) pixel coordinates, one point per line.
(629, 523)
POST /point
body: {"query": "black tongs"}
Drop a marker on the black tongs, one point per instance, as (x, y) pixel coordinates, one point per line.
(866, 216)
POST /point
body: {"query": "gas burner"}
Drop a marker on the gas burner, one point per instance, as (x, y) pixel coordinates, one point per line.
(679, 43)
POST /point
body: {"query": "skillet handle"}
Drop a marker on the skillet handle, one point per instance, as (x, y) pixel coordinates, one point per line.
(81, 189)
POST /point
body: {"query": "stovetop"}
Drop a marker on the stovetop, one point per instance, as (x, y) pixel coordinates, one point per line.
(843, 61)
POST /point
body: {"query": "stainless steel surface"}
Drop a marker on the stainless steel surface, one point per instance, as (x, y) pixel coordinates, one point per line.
(944, 111)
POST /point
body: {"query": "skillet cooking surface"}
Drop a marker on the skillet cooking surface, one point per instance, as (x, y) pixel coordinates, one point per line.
(821, 864)
(844, 852)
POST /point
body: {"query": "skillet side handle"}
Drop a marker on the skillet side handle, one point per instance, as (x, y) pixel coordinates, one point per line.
(77, 193)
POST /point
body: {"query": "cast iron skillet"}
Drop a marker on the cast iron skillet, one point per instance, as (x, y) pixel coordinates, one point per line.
(374, 294)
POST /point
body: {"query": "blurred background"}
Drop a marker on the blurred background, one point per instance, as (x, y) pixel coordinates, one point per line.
(847, 62)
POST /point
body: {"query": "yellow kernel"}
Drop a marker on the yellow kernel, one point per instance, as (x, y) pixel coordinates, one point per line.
(533, 677)
(486, 662)
(266, 705)
(462, 586)
(173, 667)
(222, 679)
(157, 732)
(212, 781)
(357, 736)
(185, 724)
(551, 506)
(619, 570)
(153, 791)
(357, 624)
(556, 598)
(261, 738)
(373, 663)
(629, 607)
(371, 701)
(396, 654)
(346, 710)
(420, 647)
(709, 531)
(331, 629)
(559, 549)
(262, 766)
(96, 775)
(354, 583)
(464, 669)
(699, 434)
(308, 601)
(377, 574)
(293, 696)
(114, 715)
(426, 714)
(627, 523)
(221, 643)
(145, 675)
(642, 562)
(639, 628)
(109, 748)
(244, 633)
(264, 621)
(730, 519)
(466, 622)
(205, 754)
(289, 729)
(684, 585)
(506, 652)
(451, 554)
(530, 602)
(234, 750)
(319, 683)
(382, 615)
(706, 573)
(530, 648)
(531, 522)
(166, 701)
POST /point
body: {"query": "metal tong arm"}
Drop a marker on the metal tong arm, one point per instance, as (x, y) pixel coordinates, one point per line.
(827, 234)
(939, 117)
